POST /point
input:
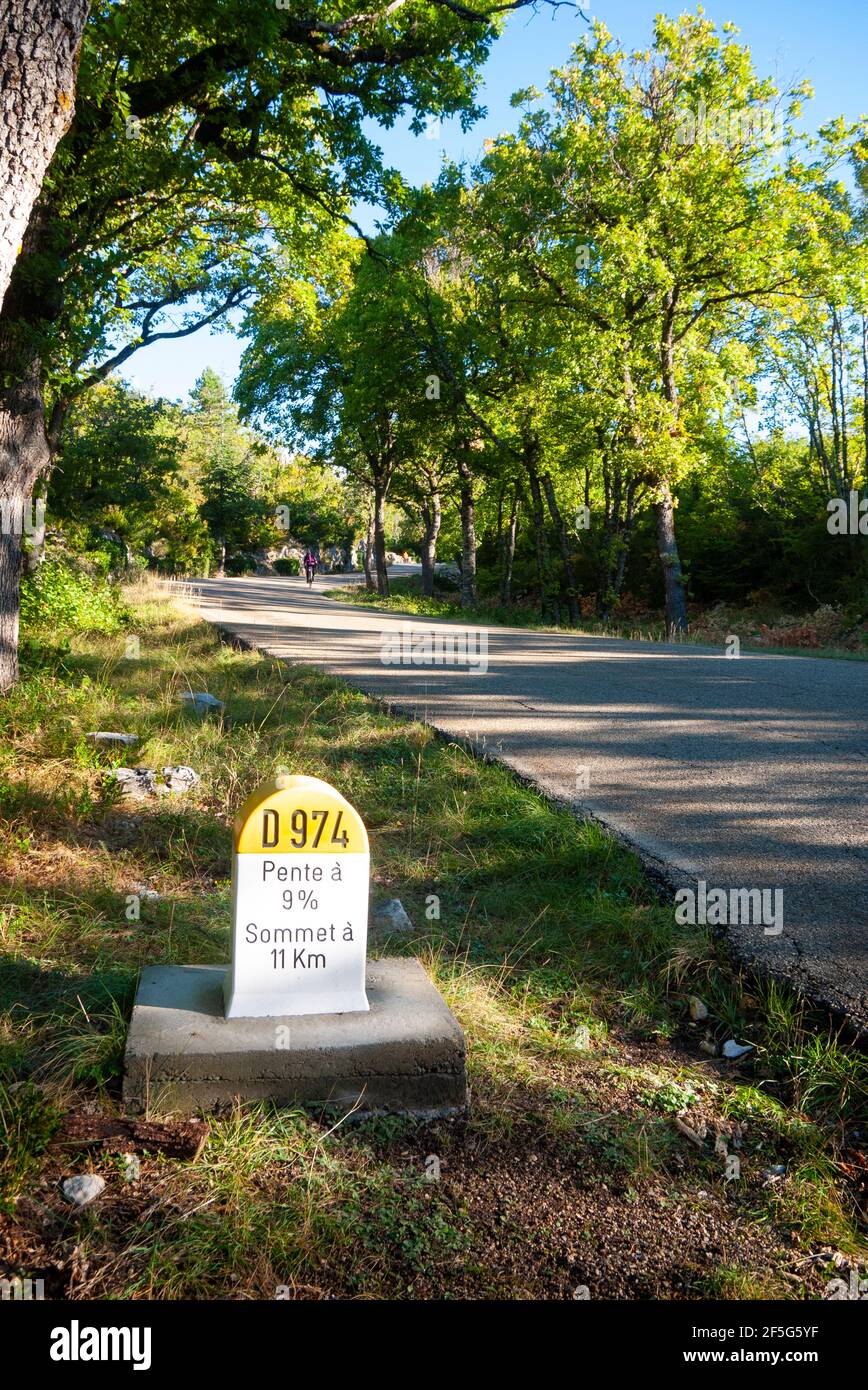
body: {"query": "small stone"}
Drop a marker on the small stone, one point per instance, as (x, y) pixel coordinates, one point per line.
(698, 1010)
(391, 917)
(180, 779)
(709, 1047)
(734, 1050)
(102, 736)
(83, 1189)
(131, 1167)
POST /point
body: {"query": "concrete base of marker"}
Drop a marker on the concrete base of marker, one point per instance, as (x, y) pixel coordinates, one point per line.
(406, 1055)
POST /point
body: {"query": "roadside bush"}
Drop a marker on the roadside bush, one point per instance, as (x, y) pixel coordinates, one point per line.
(828, 626)
(65, 599)
(287, 566)
(240, 564)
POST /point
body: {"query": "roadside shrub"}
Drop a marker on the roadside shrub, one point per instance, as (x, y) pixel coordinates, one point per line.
(448, 583)
(287, 566)
(65, 599)
(240, 564)
(828, 626)
(825, 628)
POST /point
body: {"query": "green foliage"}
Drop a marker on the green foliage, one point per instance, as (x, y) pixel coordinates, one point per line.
(173, 176)
(120, 459)
(62, 598)
(179, 488)
(592, 316)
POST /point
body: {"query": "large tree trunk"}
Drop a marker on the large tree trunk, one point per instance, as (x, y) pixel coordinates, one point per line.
(39, 41)
(380, 540)
(667, 548)
(23, 456)
(468, 535)
(29, 308)
(507, 551)
(431, 517)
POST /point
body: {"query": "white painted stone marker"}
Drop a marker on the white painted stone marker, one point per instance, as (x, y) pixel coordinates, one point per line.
(300, 875)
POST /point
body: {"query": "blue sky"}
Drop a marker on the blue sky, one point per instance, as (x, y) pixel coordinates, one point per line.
(790, 40)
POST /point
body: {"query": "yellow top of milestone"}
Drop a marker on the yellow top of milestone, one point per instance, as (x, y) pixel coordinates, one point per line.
(299, 815)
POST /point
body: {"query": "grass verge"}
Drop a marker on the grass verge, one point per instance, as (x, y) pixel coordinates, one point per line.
(572, 1170)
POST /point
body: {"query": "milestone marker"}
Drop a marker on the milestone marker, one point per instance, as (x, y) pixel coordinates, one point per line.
(290, 1019)
(300, 872)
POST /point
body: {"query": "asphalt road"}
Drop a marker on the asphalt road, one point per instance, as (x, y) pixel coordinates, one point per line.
(744, 773)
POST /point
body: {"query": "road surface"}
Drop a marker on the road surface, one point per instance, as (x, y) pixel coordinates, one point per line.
(748, 773)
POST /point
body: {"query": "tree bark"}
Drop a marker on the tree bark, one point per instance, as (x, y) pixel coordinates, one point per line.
(29, 308)
(667, 548)
(664, 507)
(468, 535)
(431, 517)
(507, 551)
(380, 539)
(370, 582)
(39, 43)
(23, 456)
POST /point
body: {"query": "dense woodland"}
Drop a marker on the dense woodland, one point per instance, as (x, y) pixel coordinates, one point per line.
(618, 368)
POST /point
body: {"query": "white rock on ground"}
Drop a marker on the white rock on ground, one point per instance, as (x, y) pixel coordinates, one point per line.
(136, 781)
(733, 1050)
(142, 781)
(180, 778)
(104, 736)
(83, 1189)
(698, 1010)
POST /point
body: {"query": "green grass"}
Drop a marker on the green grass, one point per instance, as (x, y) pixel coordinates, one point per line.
(569, 975)
(28, 1121)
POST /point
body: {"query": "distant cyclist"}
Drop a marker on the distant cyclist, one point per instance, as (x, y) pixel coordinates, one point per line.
(311, 560)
